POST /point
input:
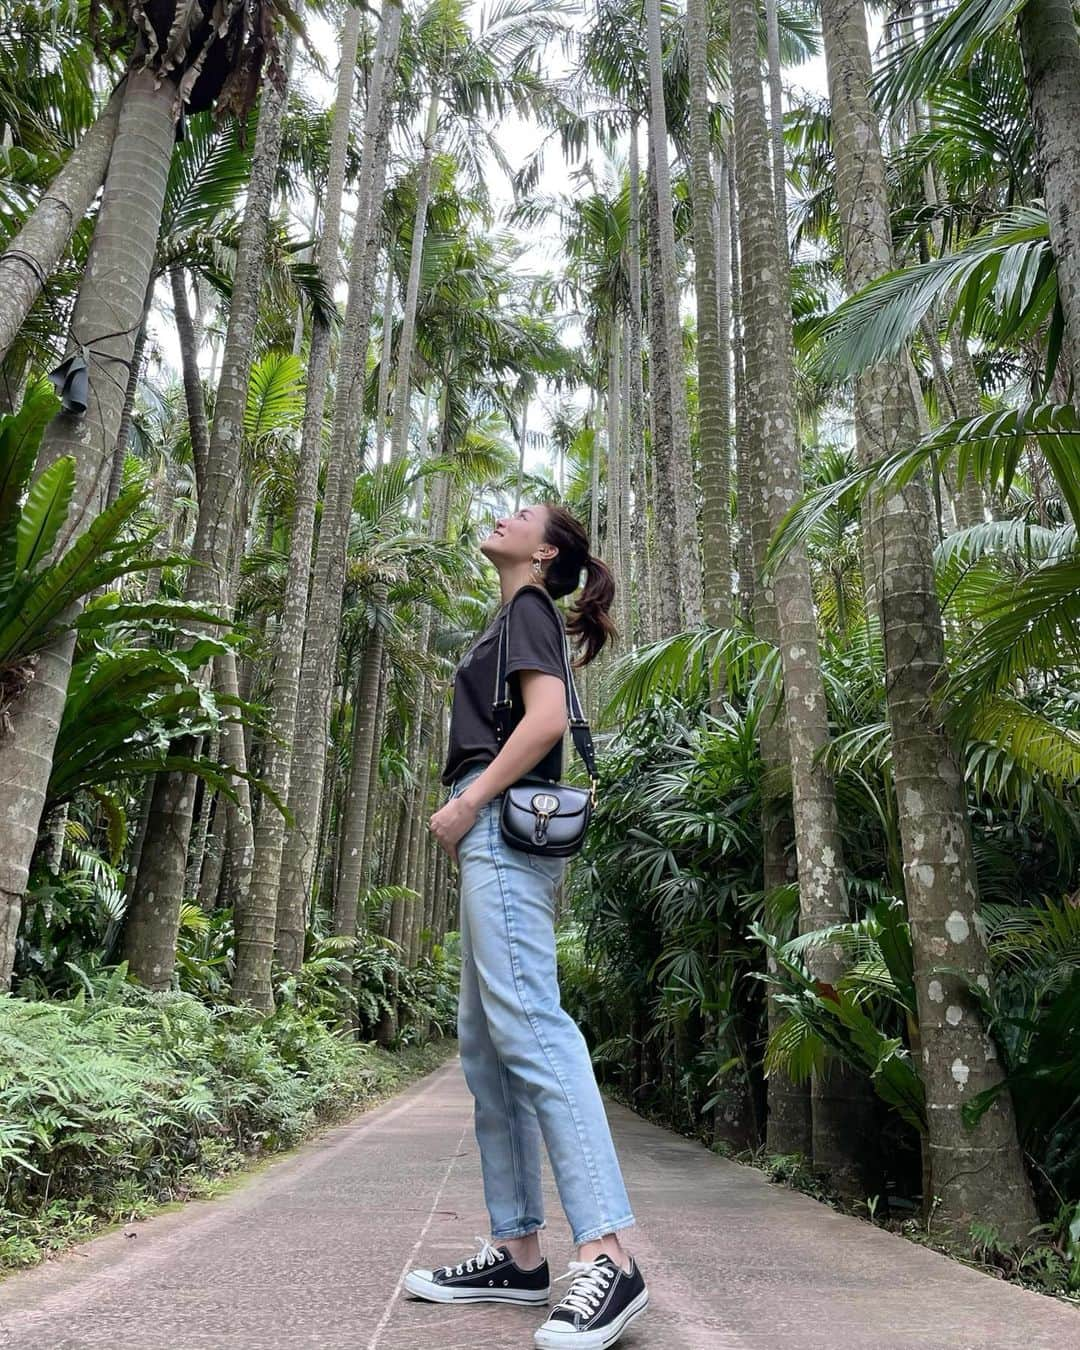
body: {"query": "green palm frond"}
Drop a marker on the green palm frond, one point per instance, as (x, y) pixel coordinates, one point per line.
(795, 1048)
(1003, 282)
(989, 448)
(1042, 748)
(209, 169)
(685, 662)
(1034, 626)
(275, 401)
(859, 748)
(1016, 539)
(913, 68)
(1043, 938)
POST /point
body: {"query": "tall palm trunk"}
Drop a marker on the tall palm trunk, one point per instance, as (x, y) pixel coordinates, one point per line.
(969, 504)
(421, 731)
(522, 439)
(635, 447)
(277, 765)
(370, 836)
(725, 308)
(382, 396)
(151, 921)
(399, 434)
(744, 494)
(433, 905)
(198, 425)
(978, 1173)
(670, 350)
(201, 830)
(358, 798)
(434, 855)
(624, 598)
(835, 1101)
(713, 378)
(788, 1127)
(31, 257)
(106, 319)
(422, 742)
(613, 490)
(668, 569)
(595, 453)
(324, 608)
(1051, 48)
(135, 371)
(776, 116)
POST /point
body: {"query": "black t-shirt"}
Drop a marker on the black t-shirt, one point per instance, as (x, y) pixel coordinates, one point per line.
(536, 643)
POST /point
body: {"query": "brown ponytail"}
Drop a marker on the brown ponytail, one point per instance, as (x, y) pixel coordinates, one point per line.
(589, 620)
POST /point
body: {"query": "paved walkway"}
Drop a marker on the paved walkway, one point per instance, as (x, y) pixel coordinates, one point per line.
(311, 1254)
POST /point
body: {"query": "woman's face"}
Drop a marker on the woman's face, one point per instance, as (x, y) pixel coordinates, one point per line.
(518, 537)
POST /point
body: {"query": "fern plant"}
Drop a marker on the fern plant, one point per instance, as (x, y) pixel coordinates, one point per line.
(118, 1098)
(41, 576)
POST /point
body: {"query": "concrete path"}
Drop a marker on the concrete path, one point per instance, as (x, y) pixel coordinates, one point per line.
(311, 1254)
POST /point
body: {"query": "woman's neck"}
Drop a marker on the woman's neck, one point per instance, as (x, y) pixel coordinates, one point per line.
(512, 580)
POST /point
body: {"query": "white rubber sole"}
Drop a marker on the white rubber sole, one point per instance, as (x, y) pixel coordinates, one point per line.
(416, 1283)
(592, 1340)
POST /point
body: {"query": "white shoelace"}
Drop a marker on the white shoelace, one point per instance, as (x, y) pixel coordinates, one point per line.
(589, 1287)
(486, 1256)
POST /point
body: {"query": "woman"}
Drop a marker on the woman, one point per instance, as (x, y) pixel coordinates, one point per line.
(525, 1061)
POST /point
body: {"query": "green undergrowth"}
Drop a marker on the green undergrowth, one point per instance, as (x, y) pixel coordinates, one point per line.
(112, 1108)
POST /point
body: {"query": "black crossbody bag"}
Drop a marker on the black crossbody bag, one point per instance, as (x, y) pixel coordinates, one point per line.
(539, 817)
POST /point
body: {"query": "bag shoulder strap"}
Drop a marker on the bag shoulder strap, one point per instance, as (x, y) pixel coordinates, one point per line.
(501, 704)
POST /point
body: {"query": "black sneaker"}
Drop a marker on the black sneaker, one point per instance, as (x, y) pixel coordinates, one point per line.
(489, 1276)
(601, 1303)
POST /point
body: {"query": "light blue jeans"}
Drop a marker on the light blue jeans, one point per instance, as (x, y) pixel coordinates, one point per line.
(526, 1063)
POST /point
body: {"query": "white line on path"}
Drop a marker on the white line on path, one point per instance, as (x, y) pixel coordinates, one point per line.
(388, 1310)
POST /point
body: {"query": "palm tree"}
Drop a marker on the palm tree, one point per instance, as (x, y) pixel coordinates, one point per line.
(277, 764)
(667, 339)
(977, 1174)
(635, 444)
(1050, 46)
(106, 319)
(33, 254)
(488, 70)
(396, 567)
(670, 607)
(472, 321)
(153, 914)
(778, 480)
(58, 131)
(324, 606)
(713, 343)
